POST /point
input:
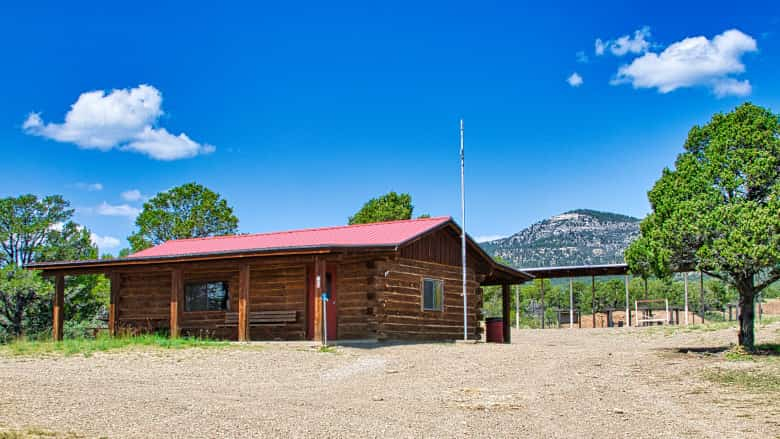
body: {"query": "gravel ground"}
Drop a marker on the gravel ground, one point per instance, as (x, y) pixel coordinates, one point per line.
(553, 383)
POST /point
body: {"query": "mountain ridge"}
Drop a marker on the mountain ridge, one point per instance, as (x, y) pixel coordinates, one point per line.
(575, 237)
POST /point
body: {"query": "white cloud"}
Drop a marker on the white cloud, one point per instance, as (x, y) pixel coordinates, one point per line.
(90, 187)
(731, 87)
(694, 61)
(123, 119)
(488, 238)
(125, 210)
(627, 44)
(100, 241)
(582, 57)
(599, 47)
(132, 195)
(103, 242)
(636, 44)
(162, 145)
(575, 80)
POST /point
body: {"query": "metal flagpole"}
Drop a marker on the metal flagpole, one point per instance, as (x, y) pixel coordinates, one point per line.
(463, 230)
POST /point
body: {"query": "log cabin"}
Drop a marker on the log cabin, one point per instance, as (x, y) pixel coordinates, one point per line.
(380, 281)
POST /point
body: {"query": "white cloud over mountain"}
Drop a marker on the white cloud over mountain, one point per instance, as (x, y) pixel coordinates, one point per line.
(123, 119)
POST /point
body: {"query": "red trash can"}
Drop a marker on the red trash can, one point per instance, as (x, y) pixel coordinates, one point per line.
(494, 330)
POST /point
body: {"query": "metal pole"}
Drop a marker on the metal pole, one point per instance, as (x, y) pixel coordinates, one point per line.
(628, 307)
(636, 313)
(542, 290)
(685, 279)
(701, 295)
(593, 299)
(463, 230)
(517, 306)
(666, 301)
(571, 303)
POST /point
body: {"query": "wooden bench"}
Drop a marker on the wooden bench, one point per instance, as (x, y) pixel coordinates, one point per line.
(263, 318)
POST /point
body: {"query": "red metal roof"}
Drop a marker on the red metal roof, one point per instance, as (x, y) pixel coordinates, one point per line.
(383, 234)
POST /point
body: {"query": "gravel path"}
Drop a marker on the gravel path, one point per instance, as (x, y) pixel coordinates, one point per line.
(552, 383)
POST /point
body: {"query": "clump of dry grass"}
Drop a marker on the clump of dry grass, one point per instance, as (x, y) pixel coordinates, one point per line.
(37, 433)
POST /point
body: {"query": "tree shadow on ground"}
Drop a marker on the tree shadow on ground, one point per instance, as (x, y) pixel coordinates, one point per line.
(761, 350)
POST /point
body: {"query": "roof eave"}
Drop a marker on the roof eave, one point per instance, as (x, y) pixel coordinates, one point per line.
(189, 257)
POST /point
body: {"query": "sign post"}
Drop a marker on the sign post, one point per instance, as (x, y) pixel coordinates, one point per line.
(325, 318)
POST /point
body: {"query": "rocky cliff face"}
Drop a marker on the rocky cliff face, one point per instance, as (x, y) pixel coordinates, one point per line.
(578, 237)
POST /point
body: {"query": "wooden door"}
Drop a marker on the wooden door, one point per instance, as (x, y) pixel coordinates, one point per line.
(329, 285)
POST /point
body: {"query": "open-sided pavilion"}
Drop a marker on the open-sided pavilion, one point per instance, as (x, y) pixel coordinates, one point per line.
(580, 271)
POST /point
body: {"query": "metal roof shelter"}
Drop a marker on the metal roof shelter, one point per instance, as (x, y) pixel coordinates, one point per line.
(580, 271)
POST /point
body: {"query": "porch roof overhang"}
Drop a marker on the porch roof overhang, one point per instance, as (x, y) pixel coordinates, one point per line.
(578, 271)
(104, 265)
(499, 274)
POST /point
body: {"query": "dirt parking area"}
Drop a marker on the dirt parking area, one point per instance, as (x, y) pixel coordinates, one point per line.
(554, 383)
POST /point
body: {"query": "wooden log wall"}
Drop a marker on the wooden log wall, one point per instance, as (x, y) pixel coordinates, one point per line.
(356, 287)
(144, 301)
(443, 247)
(400, 302)
(278, 286)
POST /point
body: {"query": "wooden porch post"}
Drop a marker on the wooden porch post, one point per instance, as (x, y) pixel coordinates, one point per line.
(113, 310)
(506, 305)
(243, 303)
(57, 308)
(177, 290)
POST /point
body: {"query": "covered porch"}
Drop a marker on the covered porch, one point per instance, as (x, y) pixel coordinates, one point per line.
(268, 298)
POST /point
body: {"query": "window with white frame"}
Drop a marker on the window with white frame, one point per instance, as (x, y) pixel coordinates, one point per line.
(433, 294)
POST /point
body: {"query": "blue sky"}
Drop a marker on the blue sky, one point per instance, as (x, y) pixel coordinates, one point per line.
(298, 114)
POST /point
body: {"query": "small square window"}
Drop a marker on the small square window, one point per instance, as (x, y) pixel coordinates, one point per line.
(206, 296)
(433, 294)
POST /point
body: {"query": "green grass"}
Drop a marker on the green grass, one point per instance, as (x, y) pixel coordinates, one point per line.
(745, 379)
(103, 343)
(707, 327)
(738, 353)
(328, 349)
(763, 352)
